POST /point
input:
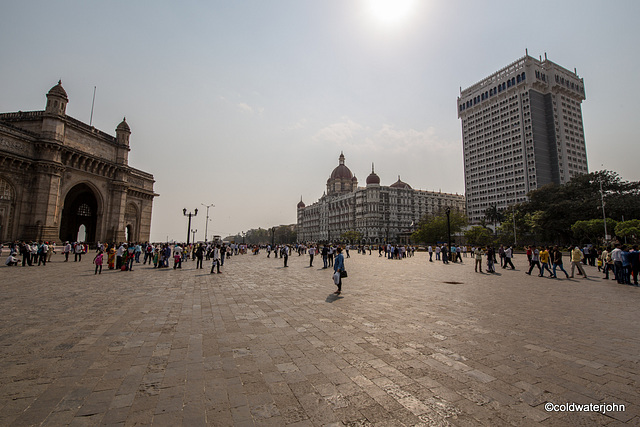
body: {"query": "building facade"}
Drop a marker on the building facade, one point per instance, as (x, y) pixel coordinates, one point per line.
(379, 213)
(61, 178)
(521, 129)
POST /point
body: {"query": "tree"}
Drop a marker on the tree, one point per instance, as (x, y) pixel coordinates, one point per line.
(492, 214)
(478, 236)
(581, 200)
(592, 230)
(351, 236)
(629, 229)
(433, 229)
(522, 228)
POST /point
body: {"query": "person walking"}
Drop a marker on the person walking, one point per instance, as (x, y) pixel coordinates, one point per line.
(199, 253)
(78, 252)
(98, 262)
(534, 259)
(576, 261)
(312, 252)
(478, 256)
(634, 260)
(508, 254)
(544, 262)
(285, 254)
(491, 259)
(216, 259)
(556, 259)
(67, 251)
(325, 255)
(338, 267)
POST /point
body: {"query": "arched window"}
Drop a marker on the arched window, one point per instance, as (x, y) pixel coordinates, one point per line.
(6, 190)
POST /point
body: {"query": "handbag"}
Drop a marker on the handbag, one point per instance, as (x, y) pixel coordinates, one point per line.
(343, 273)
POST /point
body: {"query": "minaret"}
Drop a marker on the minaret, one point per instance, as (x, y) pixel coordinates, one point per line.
(122, 138)
(57, 100)
(55, 111)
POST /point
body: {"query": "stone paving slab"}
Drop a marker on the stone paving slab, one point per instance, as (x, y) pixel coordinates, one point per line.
(408, 343)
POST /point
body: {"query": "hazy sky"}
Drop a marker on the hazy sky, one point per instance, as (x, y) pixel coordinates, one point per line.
(248, 104)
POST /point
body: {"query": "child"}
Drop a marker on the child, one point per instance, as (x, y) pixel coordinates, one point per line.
(177, 260)
(98, 262)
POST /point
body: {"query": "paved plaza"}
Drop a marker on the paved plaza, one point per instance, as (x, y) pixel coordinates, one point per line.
(407, 343)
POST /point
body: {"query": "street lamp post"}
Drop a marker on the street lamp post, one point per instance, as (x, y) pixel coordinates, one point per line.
(206, 225)
(604, 216)
(194, 235)
(273, 236)
(190, 214)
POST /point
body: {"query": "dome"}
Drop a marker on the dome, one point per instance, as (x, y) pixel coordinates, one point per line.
(373, 178)
(123, 126)
(341, 171)
(58, 90)
(400, 184)
(301, 204)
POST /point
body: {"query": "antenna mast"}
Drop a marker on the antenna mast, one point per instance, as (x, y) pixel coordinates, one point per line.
(92, 103)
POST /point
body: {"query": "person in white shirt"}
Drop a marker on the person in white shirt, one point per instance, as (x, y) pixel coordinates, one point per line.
(119, 254)
(312, 252)
(285, 254)
(11, 261)
(67, 251)
(216, 259)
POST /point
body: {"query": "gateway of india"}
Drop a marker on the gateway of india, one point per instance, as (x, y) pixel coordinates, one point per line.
(381, 214)
(61, 179)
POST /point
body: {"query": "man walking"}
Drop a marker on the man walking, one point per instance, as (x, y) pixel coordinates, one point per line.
(576, 261)
(285, 254)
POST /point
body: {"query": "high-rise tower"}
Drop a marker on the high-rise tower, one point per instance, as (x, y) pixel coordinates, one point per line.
(521, 129)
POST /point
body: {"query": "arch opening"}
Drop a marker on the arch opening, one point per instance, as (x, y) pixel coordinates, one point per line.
(80, 210)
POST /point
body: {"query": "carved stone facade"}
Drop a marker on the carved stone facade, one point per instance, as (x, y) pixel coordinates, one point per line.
(61, 178)
(381, 214)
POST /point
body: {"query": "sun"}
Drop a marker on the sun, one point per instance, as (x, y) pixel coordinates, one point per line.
(391, 12)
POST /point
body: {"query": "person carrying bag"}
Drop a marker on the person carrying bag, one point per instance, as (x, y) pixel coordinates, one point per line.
(339, 271)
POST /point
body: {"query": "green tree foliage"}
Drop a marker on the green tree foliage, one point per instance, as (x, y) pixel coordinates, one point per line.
(592, 230)
(493, 215)
(351, 236)
(282, 234)
(434, 228)
(522, 228)
(478, 236)
(561, 206)
(629, 229)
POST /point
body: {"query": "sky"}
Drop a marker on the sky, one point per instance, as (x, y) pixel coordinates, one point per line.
(247, 105)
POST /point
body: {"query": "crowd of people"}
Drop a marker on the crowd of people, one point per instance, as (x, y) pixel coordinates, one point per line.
(621, 262)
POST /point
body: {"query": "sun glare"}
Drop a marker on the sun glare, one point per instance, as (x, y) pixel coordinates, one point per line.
(391, 12)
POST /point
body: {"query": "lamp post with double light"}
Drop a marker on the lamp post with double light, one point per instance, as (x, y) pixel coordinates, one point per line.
(190, 215)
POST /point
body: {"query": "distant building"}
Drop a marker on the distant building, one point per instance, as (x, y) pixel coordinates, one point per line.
(380, 213)
(61, 178)
(521, 129)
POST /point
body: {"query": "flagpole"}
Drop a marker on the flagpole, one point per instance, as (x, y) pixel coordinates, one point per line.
(92, 103)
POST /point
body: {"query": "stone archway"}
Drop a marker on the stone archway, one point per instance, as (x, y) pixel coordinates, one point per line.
(80, 209)
(7, 204)
(131, 222)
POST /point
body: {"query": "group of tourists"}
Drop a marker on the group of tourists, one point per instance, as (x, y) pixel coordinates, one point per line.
(40, 253)
(620, 261)
(447, 254)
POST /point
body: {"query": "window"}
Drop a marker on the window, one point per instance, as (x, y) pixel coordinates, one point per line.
(84, 210)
